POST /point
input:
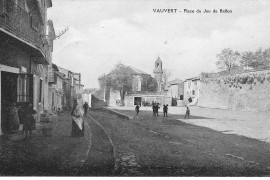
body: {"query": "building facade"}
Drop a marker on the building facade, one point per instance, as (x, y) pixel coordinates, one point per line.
(23, 55)
(142, 92)
(192, 89)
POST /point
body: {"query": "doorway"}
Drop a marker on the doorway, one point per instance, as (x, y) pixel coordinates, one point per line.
(138, 100)
(8, 96)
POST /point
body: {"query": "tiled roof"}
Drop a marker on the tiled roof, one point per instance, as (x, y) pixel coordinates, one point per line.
(137, 71)
(176, 81)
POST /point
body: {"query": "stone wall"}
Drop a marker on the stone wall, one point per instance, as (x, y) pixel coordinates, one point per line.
(243, 92)
(96, 103)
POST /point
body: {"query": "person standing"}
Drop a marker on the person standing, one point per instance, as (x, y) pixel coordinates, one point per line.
(165, 110)
(137, 108)
(77, 129)
(157, 107)
(13, 118)
(187, 113)
(85, 107)
(29, 120)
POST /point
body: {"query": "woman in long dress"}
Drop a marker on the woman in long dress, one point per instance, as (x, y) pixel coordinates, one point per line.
(77, 120)
(13, 118)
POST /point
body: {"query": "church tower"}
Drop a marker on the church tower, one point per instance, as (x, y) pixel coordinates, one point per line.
(158, 72)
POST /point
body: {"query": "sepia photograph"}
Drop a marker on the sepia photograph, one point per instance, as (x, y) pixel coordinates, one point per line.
(134, 88)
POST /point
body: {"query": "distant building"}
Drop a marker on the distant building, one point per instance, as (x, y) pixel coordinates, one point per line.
(140, 94)
(192, 89)
(175, 89)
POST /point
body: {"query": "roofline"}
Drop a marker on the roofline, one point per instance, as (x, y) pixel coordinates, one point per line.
(194, 78)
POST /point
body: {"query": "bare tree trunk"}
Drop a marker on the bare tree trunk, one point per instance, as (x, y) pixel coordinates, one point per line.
(122, 96)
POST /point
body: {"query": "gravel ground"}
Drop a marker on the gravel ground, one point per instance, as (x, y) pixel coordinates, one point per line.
(56, 155)
(250, 124)
(165, 146)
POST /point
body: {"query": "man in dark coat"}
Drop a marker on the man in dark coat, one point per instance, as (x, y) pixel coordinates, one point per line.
(85, 107)
(165, 110)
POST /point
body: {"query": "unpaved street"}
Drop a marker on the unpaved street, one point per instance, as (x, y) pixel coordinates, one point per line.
(165, 146)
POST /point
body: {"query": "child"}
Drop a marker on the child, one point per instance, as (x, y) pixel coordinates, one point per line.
(187, 112)
(137, 108)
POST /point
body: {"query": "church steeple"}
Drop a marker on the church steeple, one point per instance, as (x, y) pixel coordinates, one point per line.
(158, 72)
(158, 66)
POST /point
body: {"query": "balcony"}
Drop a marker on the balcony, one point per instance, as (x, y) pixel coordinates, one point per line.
(18, 22)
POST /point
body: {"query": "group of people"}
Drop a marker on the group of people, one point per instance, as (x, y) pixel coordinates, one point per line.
(155, 107)
(20, 117)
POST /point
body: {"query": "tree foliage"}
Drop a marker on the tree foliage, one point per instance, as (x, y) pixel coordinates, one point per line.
(119, 79)
(152, 84)
(227, 59)
(166, 75)
(257, 59)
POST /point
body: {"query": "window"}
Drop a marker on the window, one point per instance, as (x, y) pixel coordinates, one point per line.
(195, 83)
(193, 92)
(24, 90)
(40, 90)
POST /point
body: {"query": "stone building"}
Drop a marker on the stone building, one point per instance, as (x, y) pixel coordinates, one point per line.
(139, 84)
(140, 93)
(175, 90)
(192, 89)
(23, 55)
(64, 88)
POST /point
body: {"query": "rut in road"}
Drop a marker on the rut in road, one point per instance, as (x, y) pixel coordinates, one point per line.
(100, 161)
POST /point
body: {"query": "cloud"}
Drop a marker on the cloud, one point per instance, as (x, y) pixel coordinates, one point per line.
(102, 33)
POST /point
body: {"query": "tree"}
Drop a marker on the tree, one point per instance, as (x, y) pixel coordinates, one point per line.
(166, 75)
(119, 79)
(227, 59)
(258, 59)
(152, 84)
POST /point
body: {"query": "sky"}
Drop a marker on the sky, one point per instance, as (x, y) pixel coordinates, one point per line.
(103, 33)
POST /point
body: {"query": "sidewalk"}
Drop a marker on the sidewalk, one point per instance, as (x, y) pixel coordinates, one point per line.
(55, 155)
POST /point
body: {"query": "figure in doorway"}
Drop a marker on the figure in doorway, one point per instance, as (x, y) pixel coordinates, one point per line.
(13, 119)
(28, 119)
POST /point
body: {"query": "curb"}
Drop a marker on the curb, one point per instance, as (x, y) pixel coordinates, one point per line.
(89, 146)
(115, 165)
(122, 115)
